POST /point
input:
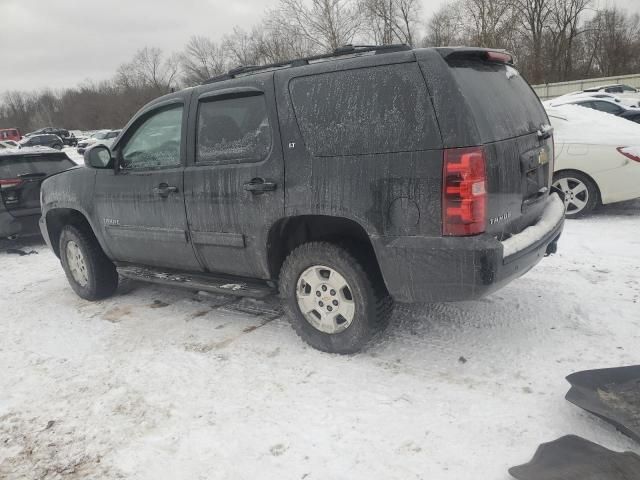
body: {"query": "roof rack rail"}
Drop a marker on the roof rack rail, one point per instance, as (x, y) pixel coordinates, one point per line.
(298, 62)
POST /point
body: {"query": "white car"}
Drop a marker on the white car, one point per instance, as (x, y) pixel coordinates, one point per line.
(623, 100)
(99, 137)
(597, 158)
(625, 92)
(604, 103)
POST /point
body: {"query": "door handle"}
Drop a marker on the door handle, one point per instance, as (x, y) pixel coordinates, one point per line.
(164, 190)
(258, 185)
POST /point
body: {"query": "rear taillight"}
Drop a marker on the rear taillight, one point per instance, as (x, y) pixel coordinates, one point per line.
(632, 153)
(500, 57)
(464, 191)
(9, 182)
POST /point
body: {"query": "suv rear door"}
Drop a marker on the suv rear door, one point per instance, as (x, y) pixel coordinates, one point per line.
(234, 189)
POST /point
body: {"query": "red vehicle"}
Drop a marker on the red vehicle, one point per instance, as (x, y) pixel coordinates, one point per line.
(10, 134)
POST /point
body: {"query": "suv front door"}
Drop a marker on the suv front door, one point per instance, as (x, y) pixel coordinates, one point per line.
(140, 204)
(234, 188)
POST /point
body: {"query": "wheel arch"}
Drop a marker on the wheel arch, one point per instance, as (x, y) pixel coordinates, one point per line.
(57, 218)
(289, 233)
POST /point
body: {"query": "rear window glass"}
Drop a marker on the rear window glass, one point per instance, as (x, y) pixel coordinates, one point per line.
(14, 166)
(501, 101)
(364, 111)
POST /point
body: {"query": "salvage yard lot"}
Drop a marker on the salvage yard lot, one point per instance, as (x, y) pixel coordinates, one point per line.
(160, 383)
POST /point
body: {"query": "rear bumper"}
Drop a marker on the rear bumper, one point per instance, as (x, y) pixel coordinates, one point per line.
(440, 269)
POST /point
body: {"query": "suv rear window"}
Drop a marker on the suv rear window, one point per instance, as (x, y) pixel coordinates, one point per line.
(502, 102)
(380, 109)
(12, 166)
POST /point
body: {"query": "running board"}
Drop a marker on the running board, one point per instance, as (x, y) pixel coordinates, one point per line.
(228, 285)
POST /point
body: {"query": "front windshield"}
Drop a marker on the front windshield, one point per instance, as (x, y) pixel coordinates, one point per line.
(100, 135)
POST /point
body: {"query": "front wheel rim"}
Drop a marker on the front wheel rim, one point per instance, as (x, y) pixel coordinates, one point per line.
(77, 264)
(576, 194)
(325, 299)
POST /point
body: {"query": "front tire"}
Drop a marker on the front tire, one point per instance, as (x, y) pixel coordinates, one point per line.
(334, 301)
(580, 193)
(89, 272)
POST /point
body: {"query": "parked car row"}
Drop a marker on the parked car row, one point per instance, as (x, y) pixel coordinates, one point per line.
(604, 100)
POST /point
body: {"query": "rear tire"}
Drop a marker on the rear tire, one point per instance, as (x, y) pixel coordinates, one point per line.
(581, 193)
(345, 299)
(57, 146)
(89, 272)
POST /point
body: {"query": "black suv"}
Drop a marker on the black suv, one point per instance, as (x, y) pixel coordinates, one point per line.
(42, 140)
(344, 181)
(64, 134)
(21, 172)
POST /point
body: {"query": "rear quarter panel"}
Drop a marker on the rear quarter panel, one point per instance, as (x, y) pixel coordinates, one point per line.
(388, 193)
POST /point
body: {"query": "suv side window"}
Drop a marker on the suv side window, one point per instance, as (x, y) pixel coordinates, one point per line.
(381, 109)
(155, 143)
(233, 129)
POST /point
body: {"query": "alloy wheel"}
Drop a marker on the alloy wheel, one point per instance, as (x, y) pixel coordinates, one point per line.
(77, 264)
(576, 194)
(325, 299)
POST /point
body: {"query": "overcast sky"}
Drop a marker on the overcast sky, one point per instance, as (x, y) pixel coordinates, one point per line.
(60, 43)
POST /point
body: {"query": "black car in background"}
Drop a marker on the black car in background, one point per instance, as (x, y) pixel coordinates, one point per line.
(21, 172)
(45, 140)
(64, 134)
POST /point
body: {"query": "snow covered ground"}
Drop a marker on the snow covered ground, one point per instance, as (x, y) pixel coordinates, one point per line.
(158, 383)
(72, 153)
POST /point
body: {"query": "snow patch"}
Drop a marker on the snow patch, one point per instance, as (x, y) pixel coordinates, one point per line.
(553, 212)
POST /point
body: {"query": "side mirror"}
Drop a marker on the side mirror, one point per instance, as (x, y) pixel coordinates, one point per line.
(98, 157)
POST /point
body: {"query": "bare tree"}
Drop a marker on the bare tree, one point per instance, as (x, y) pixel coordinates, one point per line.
(563, 32)
(613, 41)
(444, 28)
(325, 24)
(488, 23)
(150, 68)
(533, 16)
(390, 21)
(202, 59)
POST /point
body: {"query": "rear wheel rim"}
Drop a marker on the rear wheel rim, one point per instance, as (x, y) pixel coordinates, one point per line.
(325, 299)
(576, 194)
(77, 264)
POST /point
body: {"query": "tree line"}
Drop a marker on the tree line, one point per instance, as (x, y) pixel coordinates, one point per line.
(552, 40)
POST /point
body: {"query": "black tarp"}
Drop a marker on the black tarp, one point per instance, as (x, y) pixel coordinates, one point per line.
(612, 394)
(574, 458)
